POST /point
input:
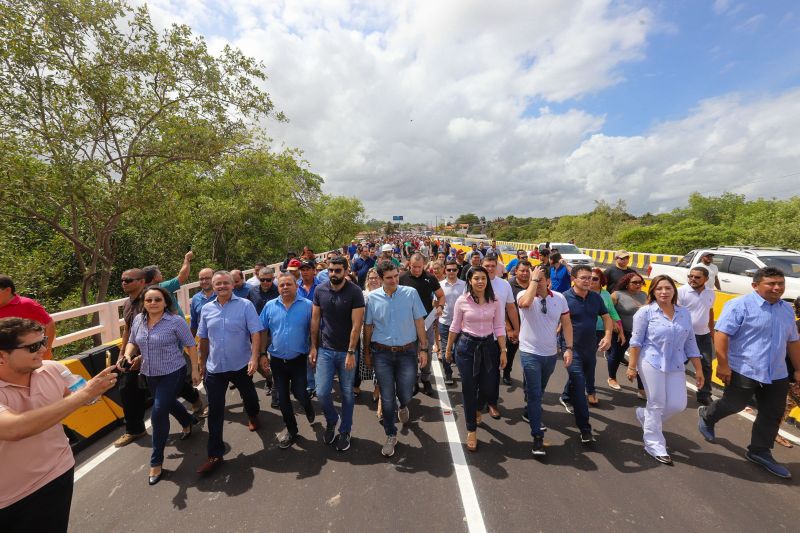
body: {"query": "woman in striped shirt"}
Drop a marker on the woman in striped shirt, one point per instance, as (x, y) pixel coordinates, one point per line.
(160, 336)
(480, 318)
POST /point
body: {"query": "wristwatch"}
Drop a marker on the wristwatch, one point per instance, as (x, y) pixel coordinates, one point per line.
(351, 352)
(423, 349)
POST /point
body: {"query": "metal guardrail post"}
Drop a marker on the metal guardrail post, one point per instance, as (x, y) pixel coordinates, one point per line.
(183, 298)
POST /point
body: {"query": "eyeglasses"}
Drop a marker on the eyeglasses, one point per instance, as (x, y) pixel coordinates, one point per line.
(451, 270)
(544, 306)
(35, 346)
(335, 270)
(632, 282)
(265, 280)
(151, 300)
(130, 280)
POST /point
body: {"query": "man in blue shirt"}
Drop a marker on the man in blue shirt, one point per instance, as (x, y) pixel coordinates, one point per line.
(362, 265)
(753, 335)
(584, 308)
(394, 334)
(240, 289)
(286, 322)
(307, 282)
(338, 313)
(559, 274)
(230, 339)
(201, 298)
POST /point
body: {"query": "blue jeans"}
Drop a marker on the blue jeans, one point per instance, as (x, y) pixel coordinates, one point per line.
(165, 390)
(444, 333)
(575, 388)
(216, 388)
(328, 363)
(396, 373)
(310, 381)
(537, 370)
(477, 384)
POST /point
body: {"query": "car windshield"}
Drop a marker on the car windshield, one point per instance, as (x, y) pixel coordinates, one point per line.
(566, 248)
(790, 264)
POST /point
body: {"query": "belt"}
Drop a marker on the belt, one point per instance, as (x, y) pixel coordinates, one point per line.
(476, 338)
(384, 348)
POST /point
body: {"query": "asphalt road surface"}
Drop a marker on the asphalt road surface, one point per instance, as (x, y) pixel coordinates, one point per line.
(607, 486)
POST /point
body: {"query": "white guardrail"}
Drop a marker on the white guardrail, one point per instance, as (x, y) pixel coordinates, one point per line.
(110, 321)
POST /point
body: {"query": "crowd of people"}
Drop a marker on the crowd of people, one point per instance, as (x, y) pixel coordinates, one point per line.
(386, 311)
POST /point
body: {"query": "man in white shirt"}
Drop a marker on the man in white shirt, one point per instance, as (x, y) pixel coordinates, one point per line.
(541, 311)
(504, 294)
(453, 288)
(707, 261)
(699, 300)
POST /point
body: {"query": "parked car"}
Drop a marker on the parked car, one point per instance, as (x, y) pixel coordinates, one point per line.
(570, 253)
(737, 265)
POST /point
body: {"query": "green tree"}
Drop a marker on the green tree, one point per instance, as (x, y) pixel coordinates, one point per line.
(338, 220)
(468, 218)
(100, 114)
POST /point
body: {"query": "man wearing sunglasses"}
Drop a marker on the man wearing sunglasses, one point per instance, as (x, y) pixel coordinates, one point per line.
(37, 461)
(541, 312)
(699, 300)
(14, 305)
(338, 313)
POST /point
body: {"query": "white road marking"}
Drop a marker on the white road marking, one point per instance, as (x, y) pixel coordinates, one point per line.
(95, 461)
(469, 498)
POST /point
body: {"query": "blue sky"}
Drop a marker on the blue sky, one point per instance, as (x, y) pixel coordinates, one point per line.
(525, 107)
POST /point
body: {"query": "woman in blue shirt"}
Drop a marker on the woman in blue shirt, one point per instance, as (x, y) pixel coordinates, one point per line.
(661, 342)
(160, 336)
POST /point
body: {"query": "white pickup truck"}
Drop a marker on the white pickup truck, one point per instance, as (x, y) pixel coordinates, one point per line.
(737, 264)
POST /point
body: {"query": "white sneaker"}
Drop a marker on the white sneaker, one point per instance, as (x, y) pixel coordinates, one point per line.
(403, 415)
(388, 448)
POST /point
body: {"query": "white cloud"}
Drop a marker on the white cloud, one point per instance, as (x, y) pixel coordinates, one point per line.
(424, 108)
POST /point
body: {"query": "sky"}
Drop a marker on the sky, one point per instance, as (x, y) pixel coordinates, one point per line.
(433, 108)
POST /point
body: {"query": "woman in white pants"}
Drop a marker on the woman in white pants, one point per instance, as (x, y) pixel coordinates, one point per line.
(664, 338)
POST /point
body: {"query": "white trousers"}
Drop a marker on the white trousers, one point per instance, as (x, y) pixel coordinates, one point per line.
(666, 396)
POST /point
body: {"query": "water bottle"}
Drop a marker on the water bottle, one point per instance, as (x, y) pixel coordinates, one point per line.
(75, 383)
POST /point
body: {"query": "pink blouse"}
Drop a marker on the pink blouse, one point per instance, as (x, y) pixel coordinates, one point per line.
(478, 320)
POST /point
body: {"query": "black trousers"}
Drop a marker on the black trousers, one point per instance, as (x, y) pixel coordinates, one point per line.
(290, 376)
(770, 401)
(511, 353)
(44, 511)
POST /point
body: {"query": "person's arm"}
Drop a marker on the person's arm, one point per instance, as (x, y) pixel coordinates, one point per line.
(608, 326)
(794, 356)
(513, 317)
(192, 351)
(422, 341)
(255, 349)
(316, 312)
(357, 316)
(711, 319)
(633, 359)
(721, 351)
(716, 282)
(366, 340)
(501, 341)
(50, 333)
(439, 303)
(17, 426)
(186, 268)
(203, 356)
(566, 328)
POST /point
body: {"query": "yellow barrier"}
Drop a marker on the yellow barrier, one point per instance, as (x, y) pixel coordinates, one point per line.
(90, 419)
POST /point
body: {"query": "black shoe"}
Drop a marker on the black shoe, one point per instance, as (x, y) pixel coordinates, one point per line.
(343, 442)
(285, 439)
(274, 402)
(587, 437)
(506, 380)
(448, 379)
(310, 414)
(704, 400)
(416, 389)
(428, 388)
(186, 434)
(311, 392)
(567, 406)
(152, 480)
(330, 434)
(538, 447)
(268, 389)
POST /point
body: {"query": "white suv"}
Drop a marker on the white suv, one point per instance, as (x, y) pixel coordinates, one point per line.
(737, 264)
(570, 253)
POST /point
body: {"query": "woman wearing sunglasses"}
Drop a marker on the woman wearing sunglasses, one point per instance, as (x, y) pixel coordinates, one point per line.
(598, 281)
(628, 297)
(160, 336)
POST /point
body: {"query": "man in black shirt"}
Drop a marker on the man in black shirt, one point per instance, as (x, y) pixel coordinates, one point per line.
(266, 289)
(615, 272)
(338, 312)
(518, 284)
(427, 286)
(475, 260)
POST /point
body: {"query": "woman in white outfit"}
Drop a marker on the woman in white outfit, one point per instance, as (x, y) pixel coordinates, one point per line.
(661, 342)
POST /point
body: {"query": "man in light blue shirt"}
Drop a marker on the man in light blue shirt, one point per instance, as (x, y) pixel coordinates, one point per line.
(394, 333)
(229, 332)
(286, 323)
(753, 335)
(201, 298)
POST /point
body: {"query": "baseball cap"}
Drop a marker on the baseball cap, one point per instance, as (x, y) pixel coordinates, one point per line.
(294, 264)
(460, 252)
(307, 263)
(707, 253)
(386, 248)
(622, 254)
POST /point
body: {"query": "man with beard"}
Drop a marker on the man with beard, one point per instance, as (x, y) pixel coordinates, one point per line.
(338, 312)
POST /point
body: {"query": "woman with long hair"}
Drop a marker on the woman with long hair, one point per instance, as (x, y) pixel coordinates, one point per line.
(479, 317)
(662, 341)
(628, 297)
(598, 281)
(160, 336)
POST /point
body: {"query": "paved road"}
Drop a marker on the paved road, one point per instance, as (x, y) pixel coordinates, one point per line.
(610, 486)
